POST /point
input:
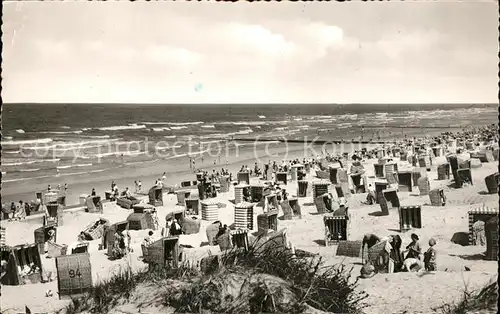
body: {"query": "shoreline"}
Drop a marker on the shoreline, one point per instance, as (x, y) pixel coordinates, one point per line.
(441, 223)
(127, 176)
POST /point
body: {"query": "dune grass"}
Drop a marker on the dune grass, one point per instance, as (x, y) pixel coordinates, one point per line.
(483, 301)
(329, 289)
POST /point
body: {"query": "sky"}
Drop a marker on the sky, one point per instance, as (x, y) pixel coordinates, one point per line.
(277, 52)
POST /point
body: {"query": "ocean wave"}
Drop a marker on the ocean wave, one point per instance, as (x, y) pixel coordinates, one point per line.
(262, 117)
(75, 148)
(241, 132)
(178, 127)
(214, 135)
(65, 127)
(173, 123)
(123, 127)
(209, 126)
(73, 166)
(245, 122)
(28, 170)
(12, 152)
(97, 136)
(319, 117)
(170, 136)
(73, 145)
(259, 143)
(18, 163)
(161, 129)
(24, 142)
(68, 132)
(119, 154)
(210, 142)
(26, 179)
(30, 162)
(51, 176)
(20, 131)
(8, 137)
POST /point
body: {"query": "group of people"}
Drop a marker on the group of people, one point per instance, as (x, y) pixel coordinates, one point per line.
(172, 228)
(21, 209)
(121, 244)
(138, 186)
(393, 259)
(58, 188)
(216, 176)
(18, 211)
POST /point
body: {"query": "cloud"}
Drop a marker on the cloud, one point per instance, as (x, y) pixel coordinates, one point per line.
(259, 39)
(394, 45)
(167, 55)
(288, 52)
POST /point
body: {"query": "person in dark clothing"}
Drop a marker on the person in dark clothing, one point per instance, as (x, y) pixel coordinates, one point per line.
(93, 192)
(176, 228)
(284, 195)
(395, 254)
(369, 240)
(414, 249)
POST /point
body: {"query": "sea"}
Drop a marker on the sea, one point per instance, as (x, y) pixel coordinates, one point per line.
(41, 141)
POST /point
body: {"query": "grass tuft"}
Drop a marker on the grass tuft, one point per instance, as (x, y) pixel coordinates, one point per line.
(267, 278)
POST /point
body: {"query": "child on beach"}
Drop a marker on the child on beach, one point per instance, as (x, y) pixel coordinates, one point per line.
(414, 249)
(430, 256)
(371, 198)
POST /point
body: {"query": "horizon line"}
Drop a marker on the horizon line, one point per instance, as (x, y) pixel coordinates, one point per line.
(249, 103)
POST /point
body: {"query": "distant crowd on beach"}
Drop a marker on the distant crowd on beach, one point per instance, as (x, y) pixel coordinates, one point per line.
(18, 211)
(268, 170)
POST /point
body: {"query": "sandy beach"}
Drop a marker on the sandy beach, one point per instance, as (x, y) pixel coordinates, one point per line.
(388, 293)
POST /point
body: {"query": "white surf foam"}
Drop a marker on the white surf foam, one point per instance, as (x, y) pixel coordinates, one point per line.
(123, 127)
(26, 142)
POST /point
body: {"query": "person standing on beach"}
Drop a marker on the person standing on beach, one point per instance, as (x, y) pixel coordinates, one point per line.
(65, 187)
(93, 192)
(164, 177)
(139, 186)
(388, 250)
(430, 256)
